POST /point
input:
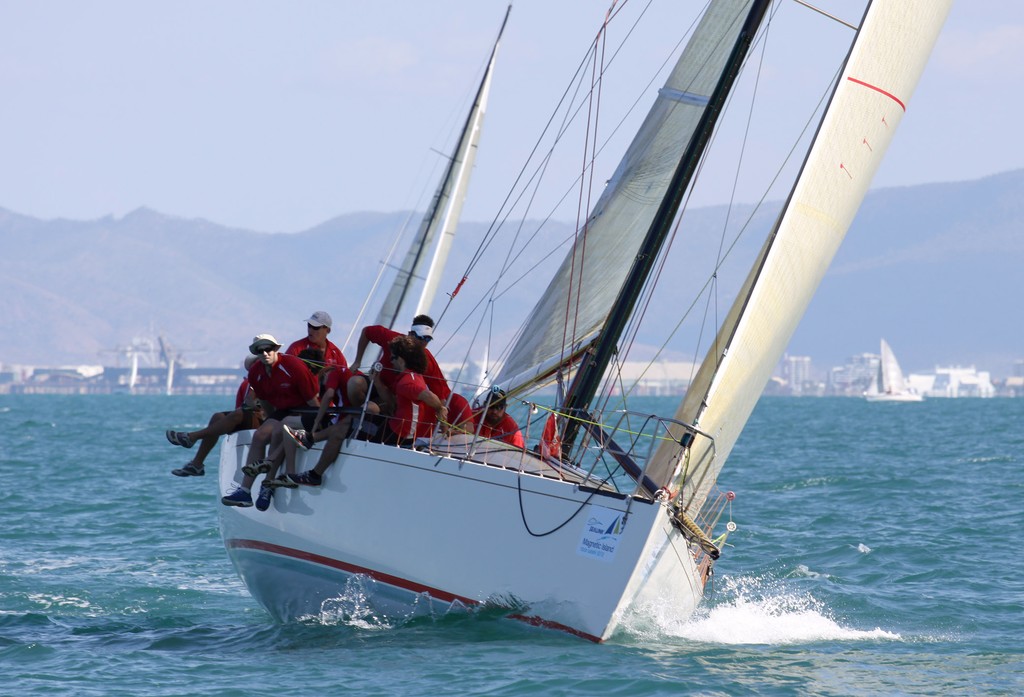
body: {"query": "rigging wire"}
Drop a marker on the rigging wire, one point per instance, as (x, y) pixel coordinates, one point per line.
(711, 284)
(532, 182)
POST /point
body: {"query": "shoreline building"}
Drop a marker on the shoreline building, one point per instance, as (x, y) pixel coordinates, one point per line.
(953, 382)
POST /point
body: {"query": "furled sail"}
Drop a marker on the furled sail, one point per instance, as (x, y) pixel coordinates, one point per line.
(593, 272)
(437, 230)
(869, 100)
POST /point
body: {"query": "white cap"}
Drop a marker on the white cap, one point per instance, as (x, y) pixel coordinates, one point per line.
(319, 319)
(423, 331)
(263, 340)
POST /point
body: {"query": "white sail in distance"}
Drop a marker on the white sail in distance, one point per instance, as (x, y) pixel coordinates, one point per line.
(892, 374)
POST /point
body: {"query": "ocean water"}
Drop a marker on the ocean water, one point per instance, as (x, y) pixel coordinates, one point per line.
(878, 552)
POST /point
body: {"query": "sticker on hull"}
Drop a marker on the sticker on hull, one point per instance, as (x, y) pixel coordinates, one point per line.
(601, 533)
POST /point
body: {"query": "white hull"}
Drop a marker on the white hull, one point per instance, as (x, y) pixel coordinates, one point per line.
(902, 397)
(399, 527)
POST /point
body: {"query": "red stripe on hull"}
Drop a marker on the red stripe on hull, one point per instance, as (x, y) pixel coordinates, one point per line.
(395, 581)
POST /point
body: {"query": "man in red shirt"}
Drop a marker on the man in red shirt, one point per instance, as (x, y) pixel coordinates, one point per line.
(246, 415)
(318, 326)
(493, 422)
(384, 383)
(283, 384)
(414, 401)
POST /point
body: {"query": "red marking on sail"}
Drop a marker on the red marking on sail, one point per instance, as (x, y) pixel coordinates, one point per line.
(843, 167)
(869, 144)
(890, 95)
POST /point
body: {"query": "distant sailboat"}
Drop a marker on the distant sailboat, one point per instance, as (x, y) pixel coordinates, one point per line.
(889, 384)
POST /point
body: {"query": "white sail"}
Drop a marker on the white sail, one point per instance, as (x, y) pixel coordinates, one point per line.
(892, 374)
(593, 271)
(890, 385)
(884, 65)
(437, 230)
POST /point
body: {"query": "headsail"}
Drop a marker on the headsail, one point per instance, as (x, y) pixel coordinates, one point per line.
(881, 71)
(442, 217)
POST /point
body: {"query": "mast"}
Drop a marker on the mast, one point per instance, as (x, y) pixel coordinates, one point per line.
(443, 213)
(592, 368)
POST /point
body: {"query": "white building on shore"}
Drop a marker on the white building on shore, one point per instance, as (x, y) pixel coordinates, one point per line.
(954, 382)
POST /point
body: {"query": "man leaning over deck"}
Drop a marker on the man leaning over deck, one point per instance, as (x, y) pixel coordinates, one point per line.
(422, 331)
(286, 384)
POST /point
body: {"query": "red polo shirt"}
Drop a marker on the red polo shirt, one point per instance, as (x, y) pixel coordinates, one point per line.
(507, 430)
(333, 357)
(433, 376)
(289, 384)
(407, 388)
(337, 380)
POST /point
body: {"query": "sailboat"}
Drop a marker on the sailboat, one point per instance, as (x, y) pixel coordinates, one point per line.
(889, 384)
(613, 510)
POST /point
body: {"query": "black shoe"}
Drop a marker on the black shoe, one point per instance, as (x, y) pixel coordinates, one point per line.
(310, 478)
(189, 470)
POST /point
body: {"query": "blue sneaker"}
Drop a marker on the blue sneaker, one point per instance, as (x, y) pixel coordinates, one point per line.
(263, 500)
(238, 497)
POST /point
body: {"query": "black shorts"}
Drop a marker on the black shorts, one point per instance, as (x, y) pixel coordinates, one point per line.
(308, 416)
(250, 419)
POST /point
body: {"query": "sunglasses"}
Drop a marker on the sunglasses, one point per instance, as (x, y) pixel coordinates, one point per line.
(424, 339)
(312, 328)
(259, 350)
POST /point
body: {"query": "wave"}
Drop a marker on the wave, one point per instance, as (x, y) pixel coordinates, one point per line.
(751, 610)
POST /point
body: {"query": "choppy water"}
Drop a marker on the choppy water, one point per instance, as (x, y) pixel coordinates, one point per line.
(879, 552)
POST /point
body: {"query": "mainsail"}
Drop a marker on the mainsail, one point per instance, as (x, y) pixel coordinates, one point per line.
(869, 100)
(592, 274)
(437, 230)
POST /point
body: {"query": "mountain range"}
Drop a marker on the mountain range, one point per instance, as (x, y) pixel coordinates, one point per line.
(934, 269)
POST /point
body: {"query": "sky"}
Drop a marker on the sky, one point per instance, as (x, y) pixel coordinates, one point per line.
(279, 116)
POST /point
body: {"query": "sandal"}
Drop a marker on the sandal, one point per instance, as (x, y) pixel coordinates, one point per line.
(189, 470)
(257, 467)
(282, 482)
(179, 438)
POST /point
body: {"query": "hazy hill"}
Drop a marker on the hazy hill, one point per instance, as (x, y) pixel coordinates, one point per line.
(934, 269)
